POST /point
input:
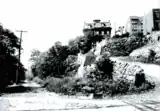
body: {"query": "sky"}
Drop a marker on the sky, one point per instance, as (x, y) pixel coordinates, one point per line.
(48, 21)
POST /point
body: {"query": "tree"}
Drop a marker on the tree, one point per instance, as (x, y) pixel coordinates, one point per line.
(73, 46)
(35, 55)
(55, 63)
(50, 63)
(57, 55)
(9, 45)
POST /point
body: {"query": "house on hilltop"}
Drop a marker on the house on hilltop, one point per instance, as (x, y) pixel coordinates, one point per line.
(97, 28)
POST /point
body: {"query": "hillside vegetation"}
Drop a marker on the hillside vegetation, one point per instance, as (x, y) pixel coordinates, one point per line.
(150, 52)
(99, 75)
(124, 46)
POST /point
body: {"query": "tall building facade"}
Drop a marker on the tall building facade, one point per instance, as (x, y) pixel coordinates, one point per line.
(134, 25)
(152, 21)
(97, 28)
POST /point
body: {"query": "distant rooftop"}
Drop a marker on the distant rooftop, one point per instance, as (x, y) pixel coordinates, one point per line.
(96, 20)
(135, 16)
(97, 24)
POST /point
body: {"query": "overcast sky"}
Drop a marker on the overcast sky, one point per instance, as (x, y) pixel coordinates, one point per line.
(48, 21)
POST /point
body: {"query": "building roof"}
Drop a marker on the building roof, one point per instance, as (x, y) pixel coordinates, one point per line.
(136, 17)
(97, 23)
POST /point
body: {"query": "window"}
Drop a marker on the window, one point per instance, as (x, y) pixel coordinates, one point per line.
(102, 32)
(97, 32)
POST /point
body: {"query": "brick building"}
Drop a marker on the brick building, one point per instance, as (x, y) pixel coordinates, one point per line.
(97, 28)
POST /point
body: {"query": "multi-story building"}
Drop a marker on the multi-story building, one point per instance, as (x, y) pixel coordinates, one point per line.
(152, 21)
(97, 28)
(134, 25)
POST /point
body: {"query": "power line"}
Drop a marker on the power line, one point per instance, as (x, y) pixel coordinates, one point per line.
(19, 55)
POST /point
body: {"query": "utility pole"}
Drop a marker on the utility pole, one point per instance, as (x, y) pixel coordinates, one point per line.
(19, 55)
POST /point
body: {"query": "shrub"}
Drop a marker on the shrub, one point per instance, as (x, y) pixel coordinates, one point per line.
(75, 86)
(71, 65)
(105, 65)
(67, 86)
(123, 46)
(86, 43)
(118, 87)
(38, 80)
(55, 84)
(106, 87)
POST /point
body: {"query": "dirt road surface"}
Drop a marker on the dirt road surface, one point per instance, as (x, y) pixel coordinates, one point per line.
(41, 100)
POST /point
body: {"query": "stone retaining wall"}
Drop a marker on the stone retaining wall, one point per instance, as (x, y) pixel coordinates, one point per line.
(134, 74)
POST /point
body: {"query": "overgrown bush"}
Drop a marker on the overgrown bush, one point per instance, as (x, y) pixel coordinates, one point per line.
(106, 87)
(55, 84)
(105, 65)
(124, 46)
(71, 65)
(69, 86)
(121, 87)
(102, 69)
(38, 80)
(86, 43)
(73, 45)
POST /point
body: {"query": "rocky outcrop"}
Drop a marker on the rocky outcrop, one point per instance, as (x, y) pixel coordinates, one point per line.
(87, 60)
(134, 74)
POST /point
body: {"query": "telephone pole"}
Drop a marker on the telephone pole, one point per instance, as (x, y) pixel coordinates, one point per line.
(19, 55)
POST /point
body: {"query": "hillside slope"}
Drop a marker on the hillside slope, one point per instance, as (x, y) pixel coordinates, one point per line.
(144, 52)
